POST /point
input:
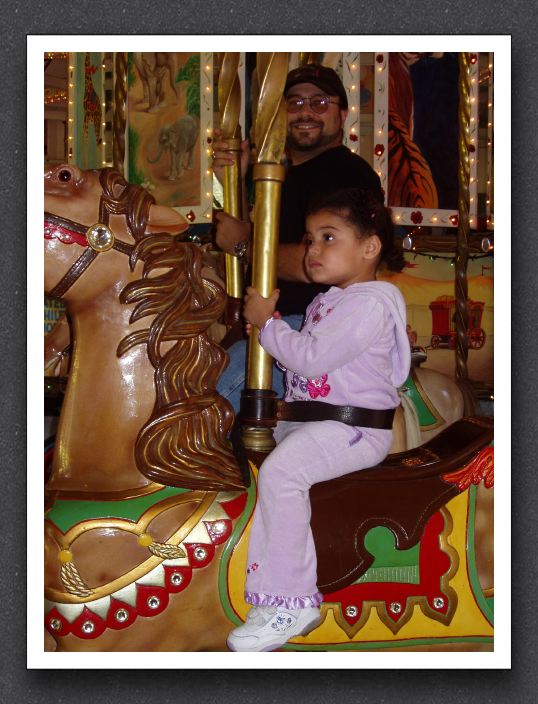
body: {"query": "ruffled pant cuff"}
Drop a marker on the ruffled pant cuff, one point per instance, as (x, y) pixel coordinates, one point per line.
(290, 602)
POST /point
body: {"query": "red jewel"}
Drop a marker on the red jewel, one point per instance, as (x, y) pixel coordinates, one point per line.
(151, 600)
(57, 624)
(474, 58)
(453, 219)
(416, 217)
(177, 578)
(191, 216)
(379, 149)
(218, 531)
(199, 554)
(88, 625)
(353, 137)
(379, 58)
(209, 140)
(120, 615)
(471, 148)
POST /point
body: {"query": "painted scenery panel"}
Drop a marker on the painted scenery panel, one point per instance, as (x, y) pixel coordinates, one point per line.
(164, 124)
(427, 284)
(423, 130)
(417, 128)
(86, 110)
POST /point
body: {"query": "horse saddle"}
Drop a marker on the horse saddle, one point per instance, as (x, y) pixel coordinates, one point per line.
(401, 493)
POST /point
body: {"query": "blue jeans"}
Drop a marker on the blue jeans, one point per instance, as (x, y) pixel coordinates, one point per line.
(232, 381)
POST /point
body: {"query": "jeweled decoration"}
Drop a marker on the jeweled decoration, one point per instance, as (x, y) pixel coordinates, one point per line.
(438, 602)
(154, 602)
(200, 554)
(100, 237)
(88, 627)
(176, 579)
(121, 615)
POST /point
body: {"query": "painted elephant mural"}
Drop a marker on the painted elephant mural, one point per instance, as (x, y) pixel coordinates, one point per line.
(179, 139)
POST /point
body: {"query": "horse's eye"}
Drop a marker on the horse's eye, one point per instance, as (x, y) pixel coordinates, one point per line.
(64, 175)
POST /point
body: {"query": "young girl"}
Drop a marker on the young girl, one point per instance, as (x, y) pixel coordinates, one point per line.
(352, 350)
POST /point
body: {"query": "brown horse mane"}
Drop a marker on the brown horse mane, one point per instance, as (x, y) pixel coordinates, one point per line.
(122, 198)
(183, 443)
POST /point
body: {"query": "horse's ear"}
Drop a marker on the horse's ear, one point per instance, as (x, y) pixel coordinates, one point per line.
(165, 219)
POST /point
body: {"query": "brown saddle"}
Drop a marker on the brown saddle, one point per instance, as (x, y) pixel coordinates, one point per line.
(401, 493)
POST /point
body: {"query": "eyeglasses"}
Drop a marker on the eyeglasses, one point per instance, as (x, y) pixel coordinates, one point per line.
(318, 103)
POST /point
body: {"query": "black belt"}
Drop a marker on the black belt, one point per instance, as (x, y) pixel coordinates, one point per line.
(350, 415)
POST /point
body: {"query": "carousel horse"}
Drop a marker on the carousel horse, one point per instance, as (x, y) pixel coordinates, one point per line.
(147, 511)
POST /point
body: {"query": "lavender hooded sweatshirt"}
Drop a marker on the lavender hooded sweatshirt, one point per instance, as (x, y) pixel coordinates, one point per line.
(353, 348)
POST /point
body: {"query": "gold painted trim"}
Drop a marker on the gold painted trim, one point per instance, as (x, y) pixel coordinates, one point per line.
(146, 566)
(134, 493)
(427, 402)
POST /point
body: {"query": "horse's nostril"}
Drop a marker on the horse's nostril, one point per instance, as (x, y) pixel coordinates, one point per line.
(64, 175)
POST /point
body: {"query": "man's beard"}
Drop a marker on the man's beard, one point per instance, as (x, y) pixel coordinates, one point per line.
(307, 145)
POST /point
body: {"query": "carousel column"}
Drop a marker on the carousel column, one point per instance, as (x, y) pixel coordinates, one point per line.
(258, 408)
(229, 99)
(258, 412)
(120, 102)
(462, 239)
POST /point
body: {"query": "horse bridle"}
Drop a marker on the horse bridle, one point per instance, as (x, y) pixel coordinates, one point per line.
(98, 238)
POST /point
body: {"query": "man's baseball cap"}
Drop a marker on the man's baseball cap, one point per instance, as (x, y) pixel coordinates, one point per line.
(323, 77)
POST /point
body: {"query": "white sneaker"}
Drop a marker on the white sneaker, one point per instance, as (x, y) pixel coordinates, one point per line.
(269, 628)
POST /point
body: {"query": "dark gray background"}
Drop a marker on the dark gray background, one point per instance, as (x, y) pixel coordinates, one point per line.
(275, 17)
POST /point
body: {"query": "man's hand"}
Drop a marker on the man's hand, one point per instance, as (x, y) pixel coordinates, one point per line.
(257, 309)
(229, 231)
(222, 157)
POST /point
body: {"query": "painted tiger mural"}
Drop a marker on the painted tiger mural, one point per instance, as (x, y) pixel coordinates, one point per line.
(410, 180)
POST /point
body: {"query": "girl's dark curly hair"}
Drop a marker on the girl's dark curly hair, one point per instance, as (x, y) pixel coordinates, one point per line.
(363, 210)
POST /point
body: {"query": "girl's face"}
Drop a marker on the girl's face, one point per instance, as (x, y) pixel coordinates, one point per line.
(335, 255)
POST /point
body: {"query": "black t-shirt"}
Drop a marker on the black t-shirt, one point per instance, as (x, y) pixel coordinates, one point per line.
(329, 171)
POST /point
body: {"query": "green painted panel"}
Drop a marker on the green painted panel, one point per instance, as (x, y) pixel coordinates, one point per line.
(405, 574)
(383, 645)
(66, 514)
(425, 416)
(381, 543)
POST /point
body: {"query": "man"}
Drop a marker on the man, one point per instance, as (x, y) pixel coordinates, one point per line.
(317, 163)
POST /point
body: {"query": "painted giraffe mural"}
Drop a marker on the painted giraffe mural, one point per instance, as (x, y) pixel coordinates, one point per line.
(91, 103)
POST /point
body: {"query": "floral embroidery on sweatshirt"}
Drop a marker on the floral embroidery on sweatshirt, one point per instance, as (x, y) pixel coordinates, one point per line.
(316, 313)
(318, 387)
(300, 381)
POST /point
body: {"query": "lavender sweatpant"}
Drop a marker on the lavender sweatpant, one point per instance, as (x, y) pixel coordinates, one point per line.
(281, 564)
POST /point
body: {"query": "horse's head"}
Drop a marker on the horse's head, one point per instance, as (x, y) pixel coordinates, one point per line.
(76, 201)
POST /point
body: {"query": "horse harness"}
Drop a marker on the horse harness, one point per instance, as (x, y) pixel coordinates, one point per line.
(98, 238)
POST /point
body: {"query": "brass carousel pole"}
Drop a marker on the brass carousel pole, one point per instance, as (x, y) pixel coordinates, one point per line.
(306, 57)
(120, 102)
(257, 401)
(229, 100)
(462, 238)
